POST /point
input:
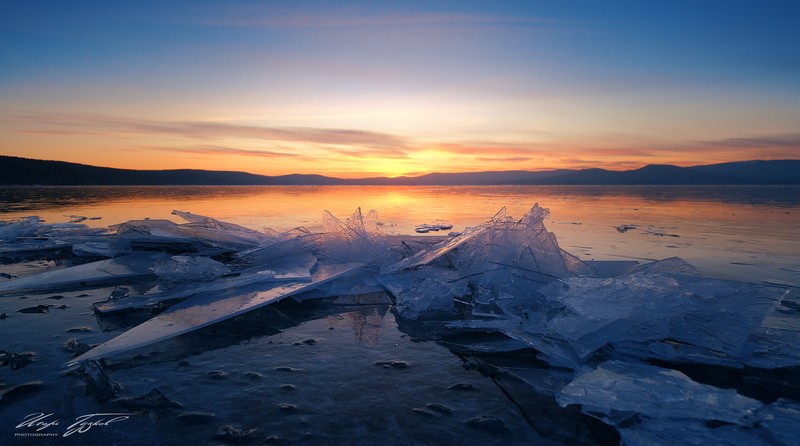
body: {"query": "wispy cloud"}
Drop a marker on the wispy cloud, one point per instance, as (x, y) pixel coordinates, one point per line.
(503, 159)
(224, 151)
(109, 125)
(783, 140)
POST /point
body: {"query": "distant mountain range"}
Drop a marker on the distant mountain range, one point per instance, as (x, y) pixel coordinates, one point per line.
(24, 171)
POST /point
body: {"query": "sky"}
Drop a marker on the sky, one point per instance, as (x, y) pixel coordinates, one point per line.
(389, 88)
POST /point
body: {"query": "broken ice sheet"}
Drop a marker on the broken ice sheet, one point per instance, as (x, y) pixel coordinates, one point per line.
(167, 229)
(617, 386)
(716, 315)
(355, 239)
(668, 432)
(11, 231)
(177, 269)
(221, 227)
(524, 245)
(118, 270)
(295, 268)
(430, 296)
(781, 419)
(205, 309)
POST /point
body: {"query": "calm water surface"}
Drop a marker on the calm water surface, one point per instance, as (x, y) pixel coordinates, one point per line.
(737, 232)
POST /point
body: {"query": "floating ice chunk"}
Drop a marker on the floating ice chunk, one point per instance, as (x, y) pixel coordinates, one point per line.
(208, 308)
(130, 267)
(655, 392)
(185, 269)
(624, 228)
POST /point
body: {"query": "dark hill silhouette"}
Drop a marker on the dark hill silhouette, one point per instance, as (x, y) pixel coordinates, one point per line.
(24, 171)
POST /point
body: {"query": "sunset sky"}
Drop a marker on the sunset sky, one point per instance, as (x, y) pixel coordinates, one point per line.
(354, 89)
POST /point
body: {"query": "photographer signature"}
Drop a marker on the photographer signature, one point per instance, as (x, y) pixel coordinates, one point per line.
(40, 422)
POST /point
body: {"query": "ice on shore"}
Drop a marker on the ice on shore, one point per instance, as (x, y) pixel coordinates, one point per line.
(187, 269)
(616, 388)
(612, 338)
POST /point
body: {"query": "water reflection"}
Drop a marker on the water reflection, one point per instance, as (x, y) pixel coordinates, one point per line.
(727, 231)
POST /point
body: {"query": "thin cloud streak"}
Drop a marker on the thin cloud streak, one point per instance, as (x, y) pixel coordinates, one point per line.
(786, 140)
(99, 123)
(223, 151)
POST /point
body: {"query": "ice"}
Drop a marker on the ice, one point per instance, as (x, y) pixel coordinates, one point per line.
(296, 268)
(220, 227)
(657, 351)
(705, 320)
(186, 269)
(108, 248)
(781, 419)
(11, 231)
(356, 239)
(205, 309)
(775, 424)
(205, 230)
(505, 259)
(118, 270)
(664, 432)
(354, 228)
(616, 387)
(427, 295)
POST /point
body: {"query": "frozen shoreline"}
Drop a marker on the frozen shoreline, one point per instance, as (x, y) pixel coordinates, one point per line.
(506, 282)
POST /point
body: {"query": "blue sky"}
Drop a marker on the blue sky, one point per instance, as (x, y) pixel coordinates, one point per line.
(362, 88)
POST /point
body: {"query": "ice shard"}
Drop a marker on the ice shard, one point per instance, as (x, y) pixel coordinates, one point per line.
(429, 296)
(118, 270)
(205, 309)
(223, 229)
(355, 239)
(185, 269)
(616, 387)
(213, 232)
(11, 231)
(293, 269)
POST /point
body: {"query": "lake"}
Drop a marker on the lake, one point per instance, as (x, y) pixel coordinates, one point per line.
(327, 372)
(734, 232)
